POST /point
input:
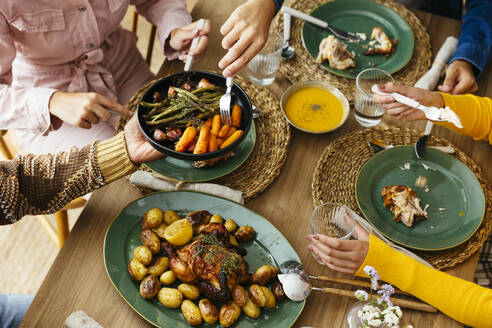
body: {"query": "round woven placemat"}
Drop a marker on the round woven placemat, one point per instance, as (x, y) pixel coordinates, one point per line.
(269, 153)
(303, 67)
(337, 169)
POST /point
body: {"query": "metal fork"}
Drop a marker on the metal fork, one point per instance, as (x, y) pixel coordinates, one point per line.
(225, 103)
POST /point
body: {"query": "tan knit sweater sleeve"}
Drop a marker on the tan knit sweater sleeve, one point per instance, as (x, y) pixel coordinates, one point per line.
(32, 185)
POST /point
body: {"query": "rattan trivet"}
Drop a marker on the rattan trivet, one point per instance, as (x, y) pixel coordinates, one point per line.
(303, 68)
(270, 151)
(337, 169)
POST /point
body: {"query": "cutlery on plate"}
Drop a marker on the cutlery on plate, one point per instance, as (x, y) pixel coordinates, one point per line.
(297, 287)
(420, 144)
(349, 36)
(432, 113)
(225, 103)
(378, 145)
(194, 42)
(287, 51)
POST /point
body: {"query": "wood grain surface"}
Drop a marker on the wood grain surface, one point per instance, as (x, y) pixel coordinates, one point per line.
(78, 279)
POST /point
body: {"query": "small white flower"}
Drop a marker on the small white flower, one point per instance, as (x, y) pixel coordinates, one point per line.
(375, 322)
(361, 295)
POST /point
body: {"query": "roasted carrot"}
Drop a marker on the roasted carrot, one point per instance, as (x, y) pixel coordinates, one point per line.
(217, 122)
(220, 141)
(232, 138)
(202, 142)
(186, 139)
(224, 130)
(230, 132)
(212, 143)
(208, 122)
(236, 116)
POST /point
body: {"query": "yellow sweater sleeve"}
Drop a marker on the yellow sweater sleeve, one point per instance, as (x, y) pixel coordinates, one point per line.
(475, 114)
(459, 299)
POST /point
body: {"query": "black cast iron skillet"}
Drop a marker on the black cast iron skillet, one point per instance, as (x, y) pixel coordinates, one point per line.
(167, 147)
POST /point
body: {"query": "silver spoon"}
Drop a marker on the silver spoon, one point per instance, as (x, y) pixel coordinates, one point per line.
(287, 51)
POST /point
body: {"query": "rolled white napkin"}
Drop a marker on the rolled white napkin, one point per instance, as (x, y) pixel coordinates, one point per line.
(369, 228)
(151, 181)
(429, 80)
(80, 319)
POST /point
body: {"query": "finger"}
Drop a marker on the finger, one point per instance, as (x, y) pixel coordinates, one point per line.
(235, 51)
(449, 80)
(347, 265)
(464, 86)
(413, 115)
(393, 87)
(90, 117)
(231, 38)
(396, 111)
(228, 25)
(200, 47)
(111, 104)
(380, 99)
(328, 251)
(243, 60)
(84, 124)
(183, 38)
(335, 243)
(101, 112)
(206, 27)
(361, 233)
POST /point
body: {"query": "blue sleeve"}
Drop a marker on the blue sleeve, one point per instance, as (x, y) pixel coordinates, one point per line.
(278, 4)
(475, 42)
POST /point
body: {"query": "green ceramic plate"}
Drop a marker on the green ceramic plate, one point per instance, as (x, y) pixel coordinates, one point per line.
(456, 200)
(361, 16)
(269, 247)
(183, 170)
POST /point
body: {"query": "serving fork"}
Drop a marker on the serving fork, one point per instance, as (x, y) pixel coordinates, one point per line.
(225, 103)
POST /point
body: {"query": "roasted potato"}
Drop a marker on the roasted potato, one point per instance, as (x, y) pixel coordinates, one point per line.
(216, 218)
(189, 291)
(278, 291)
(244, 233)
(159, 231)
(159, 266)
(167, 277)
(191, 313)
(256, 295)
(152, 219)
(149, 287)
(170, 297)
(251, 309)
(230, 225)
(239, 295)
(150, 240)
(170, 217)
(136, 269)
(229, 313)
(263, 274)
(233, 241)
(270, 299)
(209, 311)
(143, 254)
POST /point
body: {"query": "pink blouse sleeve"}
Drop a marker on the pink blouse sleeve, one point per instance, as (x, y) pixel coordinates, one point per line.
(167, 15)
(21, 108)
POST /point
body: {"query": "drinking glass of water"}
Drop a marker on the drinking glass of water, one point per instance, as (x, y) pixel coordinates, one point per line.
(263, 66)
(367, 113)
(333, 220)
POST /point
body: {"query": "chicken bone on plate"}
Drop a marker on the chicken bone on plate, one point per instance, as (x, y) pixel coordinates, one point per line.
(336, 53)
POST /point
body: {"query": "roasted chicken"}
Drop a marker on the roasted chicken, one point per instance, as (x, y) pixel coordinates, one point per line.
(210, 261)
(380, 43)
(404, 204)
(336, 53)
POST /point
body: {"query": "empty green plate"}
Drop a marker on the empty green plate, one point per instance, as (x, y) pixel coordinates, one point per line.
(183, 170)
(123, 236)
(453, 193)
(361, 16)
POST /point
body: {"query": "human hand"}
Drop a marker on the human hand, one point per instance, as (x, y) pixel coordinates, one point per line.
(245, 33)
(402, 111)
(139, 150)
(82, 109)
(180, 40)
(459, 79)
(341, 255)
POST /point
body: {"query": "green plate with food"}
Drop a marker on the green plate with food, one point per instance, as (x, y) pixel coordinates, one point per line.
(187, 214)
(178, 169)
(390, 49)
(437, 200)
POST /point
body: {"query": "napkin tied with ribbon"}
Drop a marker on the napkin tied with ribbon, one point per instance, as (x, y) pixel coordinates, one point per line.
(158, 182)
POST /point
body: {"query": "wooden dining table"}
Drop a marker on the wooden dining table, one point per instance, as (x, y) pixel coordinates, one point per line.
(78, 280)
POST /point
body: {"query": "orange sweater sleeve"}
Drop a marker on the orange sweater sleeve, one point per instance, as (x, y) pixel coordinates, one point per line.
(475, 114)
(459, 299)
